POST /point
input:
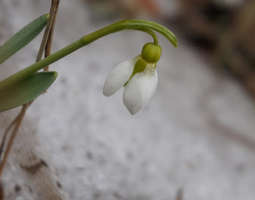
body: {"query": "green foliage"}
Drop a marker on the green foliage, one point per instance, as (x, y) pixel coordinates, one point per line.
(25, 90)
(23, 37)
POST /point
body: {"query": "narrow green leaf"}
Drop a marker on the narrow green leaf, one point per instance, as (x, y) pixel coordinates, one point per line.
(25, 90)
(23, 37)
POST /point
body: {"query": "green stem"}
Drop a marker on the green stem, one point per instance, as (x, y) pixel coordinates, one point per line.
(141, 25)
(150, 32)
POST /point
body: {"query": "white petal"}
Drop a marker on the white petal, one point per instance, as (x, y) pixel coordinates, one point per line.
(139, 91)
(118, 77)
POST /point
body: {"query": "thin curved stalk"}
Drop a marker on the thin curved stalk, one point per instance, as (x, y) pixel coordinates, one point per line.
(141, 25)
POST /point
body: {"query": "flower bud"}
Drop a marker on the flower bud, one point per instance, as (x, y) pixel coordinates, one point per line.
(151, 52)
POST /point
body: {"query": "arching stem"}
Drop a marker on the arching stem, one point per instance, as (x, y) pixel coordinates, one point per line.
(141, 25)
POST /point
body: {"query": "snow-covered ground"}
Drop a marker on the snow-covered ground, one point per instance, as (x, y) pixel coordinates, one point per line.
(197, 134)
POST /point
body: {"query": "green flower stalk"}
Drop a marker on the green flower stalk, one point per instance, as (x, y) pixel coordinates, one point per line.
(150, 53)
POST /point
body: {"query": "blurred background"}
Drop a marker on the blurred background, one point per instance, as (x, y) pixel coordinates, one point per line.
(194, 141)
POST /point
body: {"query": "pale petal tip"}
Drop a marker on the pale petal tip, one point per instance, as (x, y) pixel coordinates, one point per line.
(133, 111)
(131, 106)
(106, 92)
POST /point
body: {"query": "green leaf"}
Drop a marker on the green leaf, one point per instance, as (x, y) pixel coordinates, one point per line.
(25, 90)
(23, 37)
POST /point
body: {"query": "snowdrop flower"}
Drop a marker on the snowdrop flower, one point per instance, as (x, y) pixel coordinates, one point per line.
(138, 76)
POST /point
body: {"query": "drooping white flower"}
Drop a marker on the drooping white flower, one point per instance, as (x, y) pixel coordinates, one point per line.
(139, 78)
